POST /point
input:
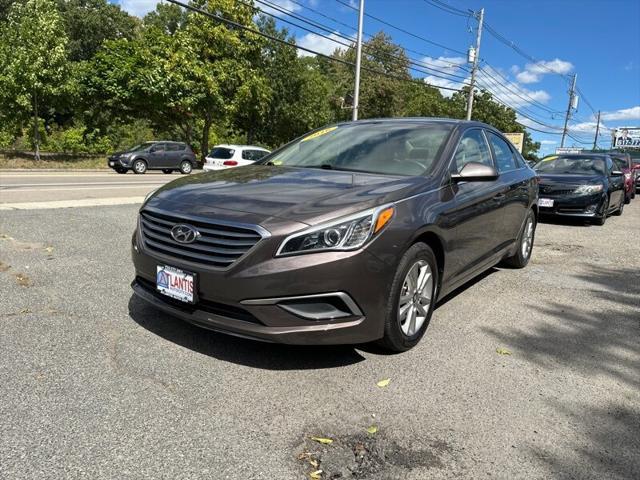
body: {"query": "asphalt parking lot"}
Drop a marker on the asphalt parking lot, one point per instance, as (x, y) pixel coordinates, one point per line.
(97, 385)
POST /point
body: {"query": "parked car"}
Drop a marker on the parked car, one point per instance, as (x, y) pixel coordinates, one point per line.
(580, 185)
(623, 163)
(635, 164)
(228, 156)
(165, 156)
(347, 235)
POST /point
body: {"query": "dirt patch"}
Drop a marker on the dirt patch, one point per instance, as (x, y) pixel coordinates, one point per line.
(365, 456)
(4, 267)
(23, 279)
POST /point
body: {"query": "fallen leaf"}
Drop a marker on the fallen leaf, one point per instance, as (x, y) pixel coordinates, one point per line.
(315, 475)
(49, 249)
(372, 429)
(383, 383)
(313, 463)
(503, 351)
(324, 441)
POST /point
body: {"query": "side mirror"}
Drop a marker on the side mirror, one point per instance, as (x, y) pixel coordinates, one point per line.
(617, 173)
(475, 172)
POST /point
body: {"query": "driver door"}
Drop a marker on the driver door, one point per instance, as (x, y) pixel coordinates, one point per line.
(158, 156)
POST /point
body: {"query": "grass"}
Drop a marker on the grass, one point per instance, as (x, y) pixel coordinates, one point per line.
(28, 163)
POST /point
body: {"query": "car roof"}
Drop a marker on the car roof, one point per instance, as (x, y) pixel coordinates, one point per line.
(423, 120)
(229, 145)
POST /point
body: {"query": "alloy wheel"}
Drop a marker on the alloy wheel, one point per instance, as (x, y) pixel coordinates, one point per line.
(415, 298)
(527, 238)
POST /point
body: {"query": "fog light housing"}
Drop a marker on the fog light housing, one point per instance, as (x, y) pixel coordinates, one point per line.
(591, 208)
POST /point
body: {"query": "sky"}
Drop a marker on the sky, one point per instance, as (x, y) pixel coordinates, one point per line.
(599, 40)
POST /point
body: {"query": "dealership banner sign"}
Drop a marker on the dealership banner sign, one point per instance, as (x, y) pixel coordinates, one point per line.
(628, 137)
(517, 139)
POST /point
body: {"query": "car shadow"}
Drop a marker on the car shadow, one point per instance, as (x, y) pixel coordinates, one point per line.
(250, 353)
(567, 221)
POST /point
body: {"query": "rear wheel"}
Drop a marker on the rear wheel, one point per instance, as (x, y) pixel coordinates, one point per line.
(525, 243)
(139, 166)
(167, 170)
(186, 167)
(411, 299)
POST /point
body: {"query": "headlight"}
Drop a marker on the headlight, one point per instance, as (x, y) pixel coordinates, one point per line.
(349, 233)
(588, 189)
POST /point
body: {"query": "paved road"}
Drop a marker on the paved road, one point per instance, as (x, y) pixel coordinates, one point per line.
(97, 385)
(19, 189)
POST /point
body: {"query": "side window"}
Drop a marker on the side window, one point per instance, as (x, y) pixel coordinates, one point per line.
(472, 148)
(158, 148)
(247, 154)
(258, 154)
(505, 160)
(173, 147)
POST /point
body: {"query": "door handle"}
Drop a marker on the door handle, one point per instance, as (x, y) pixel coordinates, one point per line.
(499, 196)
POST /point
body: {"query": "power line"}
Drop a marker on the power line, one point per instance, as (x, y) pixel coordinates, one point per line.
(448, 8)
(299, 47)
(417, 65)
(406, 32)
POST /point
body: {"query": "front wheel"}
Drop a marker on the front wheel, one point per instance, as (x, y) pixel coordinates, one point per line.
(186, 167)
(140, 166)
(525, 243)
(411, 299)
(601, 220)
(620, 209)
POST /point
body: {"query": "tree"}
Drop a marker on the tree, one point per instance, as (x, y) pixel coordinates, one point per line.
(33, 61)
(167, 18)
(88, 23)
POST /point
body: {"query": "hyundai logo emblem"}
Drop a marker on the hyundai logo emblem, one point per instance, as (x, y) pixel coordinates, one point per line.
(184, 233)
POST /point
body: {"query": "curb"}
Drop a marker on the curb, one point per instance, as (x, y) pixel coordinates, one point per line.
(45, 170)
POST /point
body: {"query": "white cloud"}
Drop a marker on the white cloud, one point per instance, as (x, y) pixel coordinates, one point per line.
(450, 65)
(443, 82)
(510, 93)
(632, 113)
(533, 72)
(548, 142)
(139, 8)
(444, 63)
(319, 44)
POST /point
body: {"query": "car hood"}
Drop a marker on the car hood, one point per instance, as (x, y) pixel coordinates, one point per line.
(562, 179)
(302, 195)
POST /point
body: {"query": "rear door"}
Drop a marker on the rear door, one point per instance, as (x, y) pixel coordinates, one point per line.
(173, 155)
(616, 185)
(514, 200)
(476, 213)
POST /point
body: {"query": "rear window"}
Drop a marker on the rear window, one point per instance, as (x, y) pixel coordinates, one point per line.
(222, 153)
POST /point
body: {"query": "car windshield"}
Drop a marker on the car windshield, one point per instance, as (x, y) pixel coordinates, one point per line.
(572, 165)
(142, 146)
(393, 149)
(222, 153)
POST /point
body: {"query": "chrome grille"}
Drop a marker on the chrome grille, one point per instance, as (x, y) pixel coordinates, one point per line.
(219, 244)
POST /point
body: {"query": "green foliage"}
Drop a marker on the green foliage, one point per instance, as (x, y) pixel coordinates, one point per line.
(104, 80)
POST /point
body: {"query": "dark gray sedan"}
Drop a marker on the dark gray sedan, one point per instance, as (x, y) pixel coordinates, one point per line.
(165, 156)
(346, 235)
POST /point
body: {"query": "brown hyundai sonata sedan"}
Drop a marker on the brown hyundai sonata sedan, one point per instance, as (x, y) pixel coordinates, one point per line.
(346, 235)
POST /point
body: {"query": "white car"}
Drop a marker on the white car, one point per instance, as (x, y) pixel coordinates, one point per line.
(229, 156)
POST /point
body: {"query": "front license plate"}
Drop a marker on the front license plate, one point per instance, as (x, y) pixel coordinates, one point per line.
(175, 283)
(545, 202)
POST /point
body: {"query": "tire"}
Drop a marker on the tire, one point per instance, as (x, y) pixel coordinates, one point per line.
(400, 334)
(167, 170)
(139, 166)
(605, 212)
(121, 170)
(620, 209)
(627, 198)
(186, 167)
(525, 243)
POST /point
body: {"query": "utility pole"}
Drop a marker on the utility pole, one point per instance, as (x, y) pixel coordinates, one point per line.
(356, 90)
(595, 140)
(475, 65)
(572, 94)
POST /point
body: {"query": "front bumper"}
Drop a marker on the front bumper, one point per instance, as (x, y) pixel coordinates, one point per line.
(575, 205)
(117, 163)
(243, 300)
